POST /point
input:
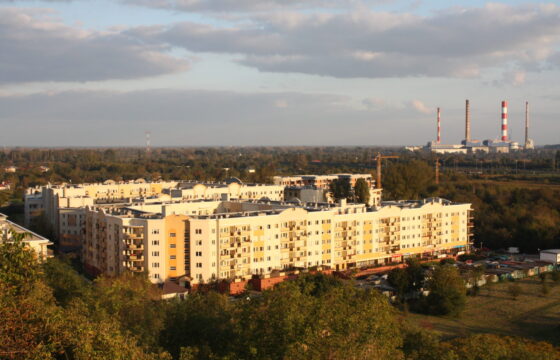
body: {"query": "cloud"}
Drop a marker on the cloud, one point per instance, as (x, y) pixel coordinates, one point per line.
(13, 1)
(194, 117)
(420, 107)
(35, 47)
(224, 6)
(458, 42)
(373, 103)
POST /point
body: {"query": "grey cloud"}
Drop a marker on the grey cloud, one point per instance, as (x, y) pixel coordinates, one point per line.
(13, 1)
(37, 48)
(182, 117)
(454, 43)
(224, 6)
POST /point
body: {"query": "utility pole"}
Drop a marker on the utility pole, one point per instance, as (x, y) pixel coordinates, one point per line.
(379, 159)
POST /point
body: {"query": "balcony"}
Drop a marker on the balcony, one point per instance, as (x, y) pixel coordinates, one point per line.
(135, 257)
(133, 236)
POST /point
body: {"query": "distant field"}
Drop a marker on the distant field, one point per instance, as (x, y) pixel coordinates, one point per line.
(494, 311)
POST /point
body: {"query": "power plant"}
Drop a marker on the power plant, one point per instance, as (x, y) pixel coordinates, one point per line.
(469, 145)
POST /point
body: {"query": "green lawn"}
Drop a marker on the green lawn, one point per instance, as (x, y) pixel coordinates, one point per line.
(532, 315)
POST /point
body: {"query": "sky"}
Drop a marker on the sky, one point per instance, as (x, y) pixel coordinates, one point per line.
(275, 72)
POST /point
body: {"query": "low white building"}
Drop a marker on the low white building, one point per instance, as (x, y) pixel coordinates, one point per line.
(551, 255)
(36, 242)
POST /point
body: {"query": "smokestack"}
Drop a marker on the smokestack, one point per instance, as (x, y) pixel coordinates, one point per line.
(526, 123)
(438, 126)
(467, 122)
(504, 121)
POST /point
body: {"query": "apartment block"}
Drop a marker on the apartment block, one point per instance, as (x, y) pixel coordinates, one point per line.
(207, 240)
(63, 206)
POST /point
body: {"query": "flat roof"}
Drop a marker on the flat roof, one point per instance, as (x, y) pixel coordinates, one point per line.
(551, 251)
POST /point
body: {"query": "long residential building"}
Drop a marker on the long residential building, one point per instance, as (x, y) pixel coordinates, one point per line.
(207, 240)
(63, 206)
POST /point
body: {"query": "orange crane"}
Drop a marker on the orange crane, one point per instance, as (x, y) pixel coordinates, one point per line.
(379, 158)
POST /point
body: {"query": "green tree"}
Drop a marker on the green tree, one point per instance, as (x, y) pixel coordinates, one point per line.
(311, 318)
(134, 302)
(340, 189)
(447, 292)
(201, 325)
(398, 278)
(361, 191)
(18, 263)
(415, 273)
(65, 282)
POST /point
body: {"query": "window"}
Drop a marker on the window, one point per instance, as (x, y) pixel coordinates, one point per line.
(172, 257)
(155, 242)
(155, 265)
(199, 253)
(198, 265)
(155, 253)
(172, 234)
(173, 246)
(172, 268)
(198, 231)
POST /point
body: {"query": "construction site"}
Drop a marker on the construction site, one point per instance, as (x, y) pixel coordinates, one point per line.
(503, 144)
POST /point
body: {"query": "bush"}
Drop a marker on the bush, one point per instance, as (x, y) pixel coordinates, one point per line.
(514, 290)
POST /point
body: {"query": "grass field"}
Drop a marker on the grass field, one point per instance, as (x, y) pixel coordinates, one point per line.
(532, 315)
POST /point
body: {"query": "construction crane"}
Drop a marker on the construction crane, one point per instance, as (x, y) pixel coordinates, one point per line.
(379, 158)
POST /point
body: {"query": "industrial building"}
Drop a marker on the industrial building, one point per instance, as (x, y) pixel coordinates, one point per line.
(502, 145)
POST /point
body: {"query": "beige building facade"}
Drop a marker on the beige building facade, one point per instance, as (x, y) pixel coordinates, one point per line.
(210, 240)
(63, 206)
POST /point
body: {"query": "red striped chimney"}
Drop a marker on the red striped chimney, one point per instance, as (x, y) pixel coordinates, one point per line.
(438, 126)
(504, 121)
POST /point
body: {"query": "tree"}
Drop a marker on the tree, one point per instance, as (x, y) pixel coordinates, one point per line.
(340, 189)
(415, 273)
(361, 191)
(409, 180)
(315, 317)
(33, 326)
(19, 267)
(398, 278)
(134, 302)
(201, 325)
(447, 292)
